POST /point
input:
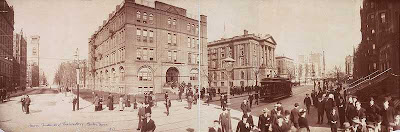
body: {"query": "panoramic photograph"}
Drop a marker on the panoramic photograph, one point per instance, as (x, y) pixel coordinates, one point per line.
(199, 65)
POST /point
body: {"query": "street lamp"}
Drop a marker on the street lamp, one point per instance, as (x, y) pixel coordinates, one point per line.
(77, 78)
(229, 68)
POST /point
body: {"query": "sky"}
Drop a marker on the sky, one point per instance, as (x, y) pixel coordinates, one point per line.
(298, 26)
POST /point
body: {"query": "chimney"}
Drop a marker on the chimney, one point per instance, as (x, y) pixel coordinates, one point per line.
(246, 32)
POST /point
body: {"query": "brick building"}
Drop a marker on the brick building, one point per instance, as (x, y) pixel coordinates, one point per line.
(285, 67)
(145, 47)
(20, 62)
(379, 47)
(6, 44)
(254, 55)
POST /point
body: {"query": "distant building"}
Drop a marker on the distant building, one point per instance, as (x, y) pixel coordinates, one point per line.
(6, 45)
(349, 66)
(33, 62)
(254, 55)
(310, 67)
(20, 63)
(285, 67)
(146, 47)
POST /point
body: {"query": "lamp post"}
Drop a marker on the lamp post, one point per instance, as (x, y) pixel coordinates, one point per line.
(77, 78)
(229, 68)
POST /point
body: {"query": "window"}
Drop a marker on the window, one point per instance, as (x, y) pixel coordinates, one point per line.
(144, 53)
(197, 43)
(144, 16)
(151, 33)
(242, 74)
(222, 84)
(145, 74)
(169, 38)
(138, 34)
(174, 22)
(169, 56)
(197, 59)
(222, 75)
(138, 54)
(151, 54)
(189, 58)
(138, 16)
(144, 35)
(174, 55)
(374, 65)
(222, 53)
(241, 50)
(151, 17)
(372, 31)
(192, 42)
(194, 74)
(193, 58)
(169, 21)
(188, 27)
(383, 17)
(373, 46)
(197, 29)
(174, 39)
(188, 42)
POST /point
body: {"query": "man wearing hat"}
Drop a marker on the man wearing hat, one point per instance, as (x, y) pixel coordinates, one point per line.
(387, 115)
(148, 124)
(264, 121)
(359, 110)
(350, 110)
(372, 111)
(303, 122)
(347, 127)
(167, 104)
(251, 100)
(245, 107)
(329, 105)
(356, 124)
(333, 120)
(307, 102)
(249, 118)
(321, 107)
(279, 126)
(224, 119)
(294, 115)
(243, 125)
(215, 128)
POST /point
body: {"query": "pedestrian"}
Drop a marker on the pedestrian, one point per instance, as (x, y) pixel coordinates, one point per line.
(121, 103)
(356, 127)
(27, 103)
(360, 112)
(101, 104)
(264, 121)
(251, 100)
(329, 105)
(147, 108)
(387, 115)
(314, 99)
(135, 104)
(288, 122)
(321, 104)
(303, 123)
(342, 112)
(196, 96)
(333, 120)
(378, 125)
(190, 101)
(127, 101)
(216, 127)
(295, 115)
(224, 119)
(245, 107)
(74, 101)
(350, 110)
(22, 102)
(96, 102)
(396, 123)
(167, 104)
(279, 126)
(372, 111)
(249, 119)
(148, 124)
(110, 102)
(141, 114)
(307, 102)
(180, 94)
(347, 127)
(256, 97)
(222, 101)
(154, 99)
(243, 125)
(208, 99)
(166, 95)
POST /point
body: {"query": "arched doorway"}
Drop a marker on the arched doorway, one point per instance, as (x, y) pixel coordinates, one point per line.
(172, 75)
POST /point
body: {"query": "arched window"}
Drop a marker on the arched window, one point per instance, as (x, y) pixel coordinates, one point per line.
(242, 74)
(194, 74)
(145, 74)
(151, 17)
(114, 74)
(122, 73)
(144, 16)
(138, 14)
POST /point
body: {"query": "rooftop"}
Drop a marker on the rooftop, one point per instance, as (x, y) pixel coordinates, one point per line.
(259, 37)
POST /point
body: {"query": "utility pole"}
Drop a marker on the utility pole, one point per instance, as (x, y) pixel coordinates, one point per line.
(77, 75)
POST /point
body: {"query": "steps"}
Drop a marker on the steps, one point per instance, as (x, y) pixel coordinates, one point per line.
(369, 80)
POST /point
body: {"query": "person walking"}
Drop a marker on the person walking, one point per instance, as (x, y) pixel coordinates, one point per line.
(190, 101)
(141, 114)
(22, 102)
(387, 113)
(74, 102)
(110, 100)
(127, 101)
(167, 104)
(329, 105)
(215, 128)
(251, 99)
(333, 120)
(342, 112)
(264, 121)
(320, 111)
(372, 111)
(224, 119)
(147, 108)
(307, 102)
(148, 124)
(27, 103)
(256, 97)
(121, 103)
(245, 107)
(243, 125)
(278, 126)
(295, 115)
(303, 123)
(96, 102)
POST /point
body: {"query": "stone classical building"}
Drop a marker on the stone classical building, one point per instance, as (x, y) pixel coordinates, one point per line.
(6, 45)
(285, 67)
(146, 47)
(33, 62)
(254, 55)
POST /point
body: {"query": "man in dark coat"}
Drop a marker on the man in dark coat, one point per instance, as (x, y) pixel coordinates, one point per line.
(251, 100)
(387, 113)
(147, 108)
(372, 111)
(167, 104)
(350, 110)
(22, 102)
(256, 97)
(141, 115)
(333, 120)
(321, 111)
(216, 127)
(342, 112)
(224, 119)
(249, 118)
(359, 110)
(295, 115)
(245, 107)
(27, 103)
(74, 101)
(329, 105)
(148, 124)
(110, 102)
(264, 121)
(307, 102)
(243, 125)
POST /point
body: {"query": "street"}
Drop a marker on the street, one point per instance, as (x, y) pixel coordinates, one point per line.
(52, 111)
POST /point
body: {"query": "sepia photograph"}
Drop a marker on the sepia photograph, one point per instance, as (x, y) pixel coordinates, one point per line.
(199, 65)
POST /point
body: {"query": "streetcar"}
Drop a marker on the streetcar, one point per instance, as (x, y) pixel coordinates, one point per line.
(275, 88)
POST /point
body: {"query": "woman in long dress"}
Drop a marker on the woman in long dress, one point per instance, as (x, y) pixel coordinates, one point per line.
(121, 103)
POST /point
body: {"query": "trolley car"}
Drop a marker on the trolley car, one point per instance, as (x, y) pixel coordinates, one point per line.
(275, 88)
